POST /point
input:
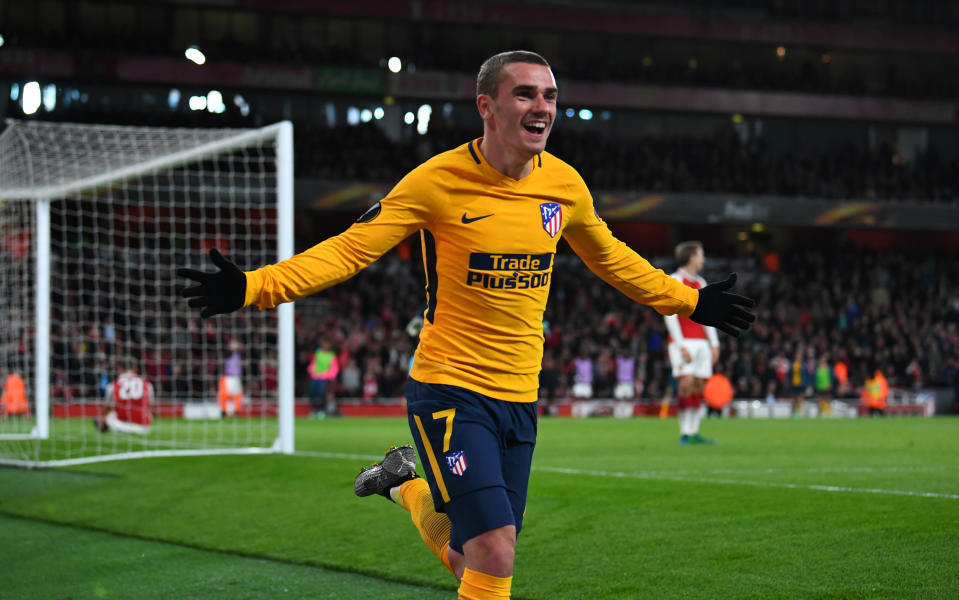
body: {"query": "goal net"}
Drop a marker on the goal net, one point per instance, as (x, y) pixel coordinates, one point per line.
(94, 221)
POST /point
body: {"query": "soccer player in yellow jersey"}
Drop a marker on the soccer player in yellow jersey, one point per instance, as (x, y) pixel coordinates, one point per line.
(490, 214)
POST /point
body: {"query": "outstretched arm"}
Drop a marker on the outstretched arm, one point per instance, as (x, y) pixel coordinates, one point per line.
(627, 271)
(620, 266)
(405, 210)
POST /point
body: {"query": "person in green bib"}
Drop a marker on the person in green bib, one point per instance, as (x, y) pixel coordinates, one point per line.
(822, 381)
(323, 368)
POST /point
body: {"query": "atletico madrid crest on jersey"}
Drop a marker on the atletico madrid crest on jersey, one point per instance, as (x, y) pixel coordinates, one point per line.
(552, 217)
(456, 461)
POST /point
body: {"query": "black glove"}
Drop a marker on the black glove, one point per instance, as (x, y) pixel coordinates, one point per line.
(722, 310)
(222, 291)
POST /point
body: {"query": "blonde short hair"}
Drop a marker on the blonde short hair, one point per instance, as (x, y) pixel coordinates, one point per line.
(487, 81)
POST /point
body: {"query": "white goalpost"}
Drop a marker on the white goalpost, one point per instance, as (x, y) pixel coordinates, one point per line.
(94, 221)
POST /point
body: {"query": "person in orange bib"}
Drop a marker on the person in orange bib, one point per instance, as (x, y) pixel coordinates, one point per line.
(841, 372)
(14, 399)
(875, 394)
(225, 394)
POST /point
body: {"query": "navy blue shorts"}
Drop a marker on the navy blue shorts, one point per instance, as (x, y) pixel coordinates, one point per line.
(476, 453)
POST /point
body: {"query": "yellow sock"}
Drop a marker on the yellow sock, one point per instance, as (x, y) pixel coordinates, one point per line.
(480, 586)
(414, 495)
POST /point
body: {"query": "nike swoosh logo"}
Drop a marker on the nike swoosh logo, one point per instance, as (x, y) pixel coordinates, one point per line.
(468, 220)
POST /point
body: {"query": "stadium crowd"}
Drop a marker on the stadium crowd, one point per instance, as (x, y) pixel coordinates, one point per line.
(893, 311)
(721, 163)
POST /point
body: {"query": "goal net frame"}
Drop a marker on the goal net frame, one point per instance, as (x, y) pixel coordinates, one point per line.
(41, 194)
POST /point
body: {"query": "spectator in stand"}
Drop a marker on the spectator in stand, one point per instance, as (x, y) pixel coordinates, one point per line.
(913, 374)
(13, 402)
(351, 380)
(797, 381)
(953, 379)
(604, 374)
(548, 382)
(840, 372)
(771, 393)
(390, 382)
(180, 387)
(642, 366)
(371, 383)
(782, 369)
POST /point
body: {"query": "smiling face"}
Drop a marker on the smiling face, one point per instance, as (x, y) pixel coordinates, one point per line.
(520, 116)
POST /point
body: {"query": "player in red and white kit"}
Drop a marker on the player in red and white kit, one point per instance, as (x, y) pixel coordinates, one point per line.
(128, 399)
(693, 348)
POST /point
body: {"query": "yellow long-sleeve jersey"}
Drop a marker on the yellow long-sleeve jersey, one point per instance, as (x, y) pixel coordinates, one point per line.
(488, 247)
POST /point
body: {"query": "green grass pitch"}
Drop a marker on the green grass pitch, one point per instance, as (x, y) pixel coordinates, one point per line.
(824, 509)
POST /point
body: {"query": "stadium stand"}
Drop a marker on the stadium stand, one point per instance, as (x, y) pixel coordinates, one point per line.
(825, 47)
(896, 311)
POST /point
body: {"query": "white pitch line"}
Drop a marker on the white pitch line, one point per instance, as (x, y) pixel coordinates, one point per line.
(363, 457)
(652, 475)
(903, 469)
(792, 486)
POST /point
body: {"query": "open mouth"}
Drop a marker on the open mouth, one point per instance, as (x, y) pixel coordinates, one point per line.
(538, 127)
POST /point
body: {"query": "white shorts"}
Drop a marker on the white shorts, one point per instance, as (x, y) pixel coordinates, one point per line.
(115, 424)
(625, 390)
(234, 386)
(701, 363)
(582, 390)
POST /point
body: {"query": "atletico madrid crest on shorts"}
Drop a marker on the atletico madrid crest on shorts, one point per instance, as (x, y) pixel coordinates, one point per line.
(552, 217)
(456, 461)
